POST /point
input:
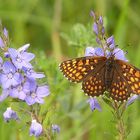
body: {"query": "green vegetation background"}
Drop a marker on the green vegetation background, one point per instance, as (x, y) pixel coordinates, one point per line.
(61, 29)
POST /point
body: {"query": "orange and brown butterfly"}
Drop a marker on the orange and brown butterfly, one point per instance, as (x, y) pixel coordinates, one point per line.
(99, 73)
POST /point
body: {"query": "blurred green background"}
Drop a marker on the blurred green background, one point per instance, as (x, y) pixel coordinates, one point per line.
(50, 26)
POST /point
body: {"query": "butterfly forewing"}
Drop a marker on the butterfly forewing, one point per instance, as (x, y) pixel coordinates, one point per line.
(131, 74)
(77, 69)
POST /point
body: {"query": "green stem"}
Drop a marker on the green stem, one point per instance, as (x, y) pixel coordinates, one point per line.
(119, 109)
(121, 130)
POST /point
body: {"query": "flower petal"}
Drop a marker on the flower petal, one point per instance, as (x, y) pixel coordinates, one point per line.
(132, 99)
(42, 91)
(30, 85)
(35, 128)
(36, 75)
(101, 20)
(95, 28)
(22, 95)
(8, 67)
(13, 52)
(29, 100)
(119, 54)
(23, 48)
(27, 56)
(5, 32)
(4, 95)
(7, 84)
(99, 51)
(94, 104)
(90, 51)
(14, 93)
(97, 105)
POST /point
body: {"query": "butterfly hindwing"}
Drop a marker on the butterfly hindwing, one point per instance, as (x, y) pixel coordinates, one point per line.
(77, 69)
(119, 89)
(94, 84)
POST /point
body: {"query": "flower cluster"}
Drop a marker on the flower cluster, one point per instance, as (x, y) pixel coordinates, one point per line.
(106, 48)
(17, 76)
(18, 79)
(36, 128)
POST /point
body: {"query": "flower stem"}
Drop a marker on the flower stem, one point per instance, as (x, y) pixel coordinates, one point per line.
(121, 130)
(119, 109)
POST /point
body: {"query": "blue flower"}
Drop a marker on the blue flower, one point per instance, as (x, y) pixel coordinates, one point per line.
(101, 20)
(9, 77)
(94, 104)
(6, 55)
(132, 99)
(101, 25)
(1, 63)
(30, 73)
(20, 59)
(95, 28)
(10, 114)
(92, 14)
(90, 51)
(99, 52)
(5, 94)
(55, 128)
(98, 27)
(36, 93)
(19, 92)
(35, 128)
(111, 42)
(119, 54)
(5, 32)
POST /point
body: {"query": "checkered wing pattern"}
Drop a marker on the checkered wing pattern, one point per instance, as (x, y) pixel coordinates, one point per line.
(76, 70)
(119, 89)
(91, 72)
(94, 84)
(131, 75)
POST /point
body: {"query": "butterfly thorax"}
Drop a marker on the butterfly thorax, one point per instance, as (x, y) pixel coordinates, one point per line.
(109, 72)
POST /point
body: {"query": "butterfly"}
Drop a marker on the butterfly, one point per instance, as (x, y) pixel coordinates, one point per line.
(100, 73)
